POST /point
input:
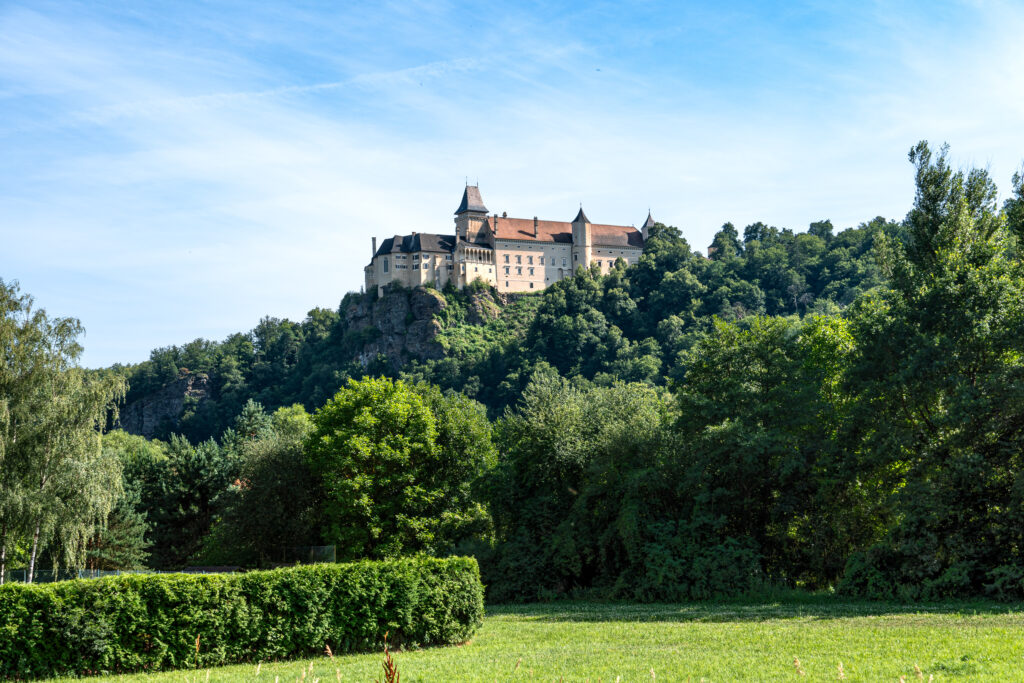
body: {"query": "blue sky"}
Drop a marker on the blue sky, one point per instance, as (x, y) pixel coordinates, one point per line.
(178, 170)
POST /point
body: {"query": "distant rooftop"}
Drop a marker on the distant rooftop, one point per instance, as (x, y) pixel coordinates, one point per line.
(408, 244)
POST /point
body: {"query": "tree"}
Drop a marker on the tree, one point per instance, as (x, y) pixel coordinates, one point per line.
(938, 412)
(395, 474)
(272, 504)
(59, 486)
(822, 229)
(180, 497)
(574, 485)
(1013, 208)
(122, 543)
(726, 243)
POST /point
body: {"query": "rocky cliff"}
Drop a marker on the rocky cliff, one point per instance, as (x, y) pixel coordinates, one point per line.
(402, 325)
(164, 407)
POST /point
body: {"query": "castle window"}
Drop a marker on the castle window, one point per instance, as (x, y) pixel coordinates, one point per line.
(385, 261)
(529, 259)
(506, 270)
(519, 271)
(541, 260)
(506, 283)
(531, 285)
(447, 257)
(531, 271)
(506, 258)
(425, 264)
(563, 262)
(519, 259)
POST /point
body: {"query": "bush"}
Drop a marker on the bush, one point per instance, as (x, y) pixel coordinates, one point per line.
(151, 622)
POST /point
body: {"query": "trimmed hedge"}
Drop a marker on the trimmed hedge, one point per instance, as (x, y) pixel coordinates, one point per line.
(150, 622)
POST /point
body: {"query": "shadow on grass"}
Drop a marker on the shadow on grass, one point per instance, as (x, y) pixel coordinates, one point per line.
(797, 607)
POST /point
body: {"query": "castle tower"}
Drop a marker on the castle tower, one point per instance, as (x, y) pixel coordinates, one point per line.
(470, 215)
(582, 241)
(648, 224)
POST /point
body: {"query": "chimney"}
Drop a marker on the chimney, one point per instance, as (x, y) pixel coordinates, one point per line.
(374, 239)
(534, 226)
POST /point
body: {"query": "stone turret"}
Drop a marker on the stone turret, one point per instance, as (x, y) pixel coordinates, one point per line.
(582, 240)
(648, 224)
(471, 214)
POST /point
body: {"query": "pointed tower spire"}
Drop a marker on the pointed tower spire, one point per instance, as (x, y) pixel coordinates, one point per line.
(581, 217)
(648, 224)
(471, 201)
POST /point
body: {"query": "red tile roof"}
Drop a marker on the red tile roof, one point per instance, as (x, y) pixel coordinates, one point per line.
(560, 231)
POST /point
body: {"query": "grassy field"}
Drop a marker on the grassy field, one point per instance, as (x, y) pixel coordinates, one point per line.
(714, 642)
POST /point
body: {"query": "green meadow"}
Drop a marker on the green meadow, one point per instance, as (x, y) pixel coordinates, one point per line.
(684, 642)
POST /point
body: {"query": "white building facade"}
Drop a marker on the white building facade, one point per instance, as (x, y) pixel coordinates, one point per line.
(510, 254)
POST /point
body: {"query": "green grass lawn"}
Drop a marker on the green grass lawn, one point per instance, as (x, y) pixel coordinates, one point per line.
(716, 642)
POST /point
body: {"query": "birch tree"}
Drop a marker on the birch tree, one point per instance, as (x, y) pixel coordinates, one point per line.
(56, 485)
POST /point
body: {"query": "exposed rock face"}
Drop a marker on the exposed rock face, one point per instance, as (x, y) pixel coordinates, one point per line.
(482, 308)
(146, 415)
(401, 325)
(405, 322)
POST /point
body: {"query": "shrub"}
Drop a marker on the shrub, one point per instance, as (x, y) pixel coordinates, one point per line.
(151, 622)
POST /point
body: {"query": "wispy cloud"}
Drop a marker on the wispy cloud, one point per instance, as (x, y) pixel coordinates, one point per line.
(173, 174)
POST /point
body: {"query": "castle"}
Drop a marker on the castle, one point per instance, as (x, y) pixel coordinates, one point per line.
(510, 254)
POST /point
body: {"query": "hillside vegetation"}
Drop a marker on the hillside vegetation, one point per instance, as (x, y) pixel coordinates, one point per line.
(817, 410)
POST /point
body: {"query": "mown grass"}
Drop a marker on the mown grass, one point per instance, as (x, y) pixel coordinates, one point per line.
(716, 642)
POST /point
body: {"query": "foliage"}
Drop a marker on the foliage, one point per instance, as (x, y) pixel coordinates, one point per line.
(272, 504)
(57, 485)
(817, 409)
(173, 621)
(628, 325)
(568, 495)
(180, 498)
(938, 402)
(396, 465)
(122, 543)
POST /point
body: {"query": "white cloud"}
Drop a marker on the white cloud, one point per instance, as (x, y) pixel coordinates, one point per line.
(172, 192)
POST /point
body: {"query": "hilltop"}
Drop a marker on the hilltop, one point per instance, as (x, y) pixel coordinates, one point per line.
(630, 324)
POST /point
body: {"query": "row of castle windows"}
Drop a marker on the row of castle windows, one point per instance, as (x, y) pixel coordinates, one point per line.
(519, 259)
(415, 258)
(529, 260)
(519, 270)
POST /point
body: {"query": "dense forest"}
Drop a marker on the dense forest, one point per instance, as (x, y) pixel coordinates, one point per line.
(819, 410)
